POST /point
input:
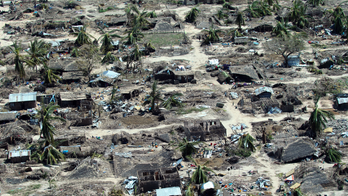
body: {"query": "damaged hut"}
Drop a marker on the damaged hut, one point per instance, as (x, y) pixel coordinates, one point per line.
(243, 73)
(204, 130)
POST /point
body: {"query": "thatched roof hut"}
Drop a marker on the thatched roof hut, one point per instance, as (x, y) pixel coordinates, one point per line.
(296, 150)
(224, 77)
(8, 116)
(244, 73)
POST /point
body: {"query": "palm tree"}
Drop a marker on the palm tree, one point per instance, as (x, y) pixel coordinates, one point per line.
(107, 42)
(265, 9)
(253, 10)
(192, 15)
(246, 142)
(108, 58)
(18, 60)
(221, 14)
(51, 155)
(227, 5)
(75, 52)
(281, 30)
(139, 18)
(37, 53)
(234, 33)
(153, 98)
(338, 25)
(172, 100)
(128, 11)
(50, 76)
(83, 37)
(189, 191)
(134, 35)
(318, 119)
(297, 14)
(240, 20)
(212, 35)
(151, 14)
(187, 148)
(199, 176)
(316, 3)
(333, 155)
(45, 116)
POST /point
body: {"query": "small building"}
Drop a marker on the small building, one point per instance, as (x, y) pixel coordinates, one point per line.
(183, 76)
(129, 93)
(71, 99)
(107, 78)
(152, 179)
(18, 156)
(165, 75)
(6, 117)
(45, 98)
(22, 101)
(342, 101)
(264, 92)
(170, 191)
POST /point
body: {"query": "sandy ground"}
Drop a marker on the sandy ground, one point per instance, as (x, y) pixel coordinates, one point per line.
(197, 58)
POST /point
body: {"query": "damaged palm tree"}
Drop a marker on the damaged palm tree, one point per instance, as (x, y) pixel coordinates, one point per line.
(192, 15)
(49, 76)
(318, 119)
(212, 36)
(173, 100)
(107, 42)
(83, 37)
(18, 60)
(333, 155)
(109, 58)
(153, 99)
(200, 175)
(187, 148)
(246, 142)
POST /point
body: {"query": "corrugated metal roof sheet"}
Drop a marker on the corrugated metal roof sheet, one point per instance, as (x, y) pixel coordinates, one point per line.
(22, 97)
(342, 100)
(263, 89)
(168, 191)
(19, 153)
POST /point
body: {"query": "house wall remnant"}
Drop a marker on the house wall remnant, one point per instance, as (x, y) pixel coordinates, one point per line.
(204, 130)
(152, 179)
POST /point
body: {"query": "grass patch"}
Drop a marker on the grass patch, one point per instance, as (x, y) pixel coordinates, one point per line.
(14, 192)
(182, 111)
(160, 40)
(280, 175)
(35, 186)
(321, 46)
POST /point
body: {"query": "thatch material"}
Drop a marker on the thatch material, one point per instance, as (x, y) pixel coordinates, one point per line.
(297, 150)
(75, 75)
(8, 116)
(245, 70)
(223, 76)
(69, 96)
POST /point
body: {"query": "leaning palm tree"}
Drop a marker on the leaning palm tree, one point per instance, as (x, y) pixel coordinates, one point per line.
(333, 155)
(212, 35)
(107, 42)
(37, 53)
(173, 101)
(246, 142)
(50, 76)
(83, 37)
(51, 155)
(187, 148)
(240, 20)
(192, 15)
(45, 117)
(154, 98)
(199, 176)
(318, 119)
(18, 60)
